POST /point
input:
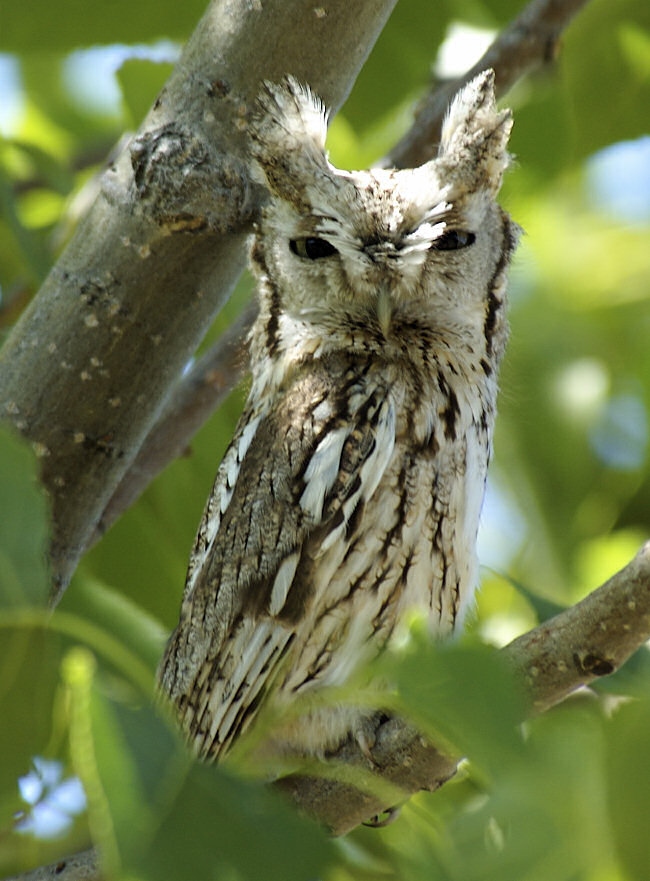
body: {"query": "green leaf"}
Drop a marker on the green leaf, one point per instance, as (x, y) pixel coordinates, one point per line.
(67, 24)
(140, 81)
(95, 605)
(544, 815)
(628, 769)
(465, 694)
(542, 606)
(24, 526)
(29, 662)
(157, 814)
(220, 827)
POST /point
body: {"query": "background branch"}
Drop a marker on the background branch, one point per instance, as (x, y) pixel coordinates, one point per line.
(588, 640)
(531, 41)
(79, 867)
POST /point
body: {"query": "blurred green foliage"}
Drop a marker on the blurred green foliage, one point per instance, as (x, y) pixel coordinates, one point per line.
(567, 797)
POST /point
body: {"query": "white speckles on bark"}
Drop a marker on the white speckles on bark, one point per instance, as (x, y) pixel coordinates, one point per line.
(164, 225)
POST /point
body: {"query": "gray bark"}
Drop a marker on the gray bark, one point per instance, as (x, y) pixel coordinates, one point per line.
(89, 366)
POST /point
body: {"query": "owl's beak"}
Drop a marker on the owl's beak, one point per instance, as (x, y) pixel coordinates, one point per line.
(384, 309)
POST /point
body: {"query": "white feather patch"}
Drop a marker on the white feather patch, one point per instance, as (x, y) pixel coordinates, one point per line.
(231, 464)
(323, 411)
(322, 471)
(221, 708)
(282, 583)
(247, 436)
(232, 470)
(272, 642)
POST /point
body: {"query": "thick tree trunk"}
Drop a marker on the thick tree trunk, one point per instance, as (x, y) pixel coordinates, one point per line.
(89, 366)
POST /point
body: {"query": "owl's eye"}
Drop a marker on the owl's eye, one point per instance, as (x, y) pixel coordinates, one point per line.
(453, 239)
(312, 248)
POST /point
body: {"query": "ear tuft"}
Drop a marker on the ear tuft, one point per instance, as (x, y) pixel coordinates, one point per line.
(289, 111)
(287, 133)
(473, 148)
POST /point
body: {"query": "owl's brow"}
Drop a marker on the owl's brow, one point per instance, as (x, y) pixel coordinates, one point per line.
(443, 212)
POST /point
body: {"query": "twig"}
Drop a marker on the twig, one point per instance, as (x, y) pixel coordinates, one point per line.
(529, 42)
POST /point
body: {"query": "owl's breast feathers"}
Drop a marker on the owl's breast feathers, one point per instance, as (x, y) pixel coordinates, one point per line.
(352, 494)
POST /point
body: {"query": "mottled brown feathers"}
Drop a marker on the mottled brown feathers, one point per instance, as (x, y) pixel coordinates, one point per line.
(351, 492)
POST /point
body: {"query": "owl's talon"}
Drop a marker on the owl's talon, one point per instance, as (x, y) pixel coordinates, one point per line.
(365, 736)
(385, 818)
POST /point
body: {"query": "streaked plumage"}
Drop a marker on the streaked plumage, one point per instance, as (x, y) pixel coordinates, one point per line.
(352, 489)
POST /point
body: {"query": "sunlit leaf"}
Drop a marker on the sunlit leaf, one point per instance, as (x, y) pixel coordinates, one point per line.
(98, 605)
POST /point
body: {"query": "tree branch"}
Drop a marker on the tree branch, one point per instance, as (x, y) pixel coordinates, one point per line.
(591, 639)
(529, 42)
(191, 403)
(585, 642)
(79, 867)
(88, 368)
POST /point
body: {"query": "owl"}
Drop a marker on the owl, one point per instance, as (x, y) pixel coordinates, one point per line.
(350, 494)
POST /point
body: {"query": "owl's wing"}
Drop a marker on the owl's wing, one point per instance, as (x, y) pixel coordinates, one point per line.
(296, 472)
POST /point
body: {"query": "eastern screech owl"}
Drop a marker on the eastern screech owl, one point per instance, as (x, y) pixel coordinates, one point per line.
(352, 488)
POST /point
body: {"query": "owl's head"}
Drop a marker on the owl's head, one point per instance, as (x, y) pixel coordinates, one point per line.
(384, 249)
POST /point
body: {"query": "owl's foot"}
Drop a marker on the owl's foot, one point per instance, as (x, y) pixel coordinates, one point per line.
(385, 818)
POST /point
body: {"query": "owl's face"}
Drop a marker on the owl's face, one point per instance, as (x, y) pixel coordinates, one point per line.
(383, 248)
